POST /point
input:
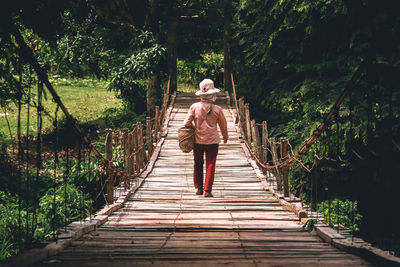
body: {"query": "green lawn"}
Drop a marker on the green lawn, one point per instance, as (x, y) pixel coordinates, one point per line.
(85, 103)
(187, 88)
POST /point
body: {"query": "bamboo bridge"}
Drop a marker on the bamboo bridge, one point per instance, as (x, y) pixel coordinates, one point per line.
(163, 222)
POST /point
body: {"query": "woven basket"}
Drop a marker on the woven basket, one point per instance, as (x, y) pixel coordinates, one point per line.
(186, 139)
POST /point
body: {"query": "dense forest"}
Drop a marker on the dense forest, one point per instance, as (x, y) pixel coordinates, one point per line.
(290, 59)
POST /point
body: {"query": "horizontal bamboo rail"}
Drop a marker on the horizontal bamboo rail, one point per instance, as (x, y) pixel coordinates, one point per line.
(134, 149)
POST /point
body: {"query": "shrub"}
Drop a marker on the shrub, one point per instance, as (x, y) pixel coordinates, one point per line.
(60, 205)
(209, 66)
(9, 226)
(343, 212)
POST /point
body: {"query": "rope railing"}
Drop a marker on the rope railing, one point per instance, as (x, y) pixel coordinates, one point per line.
(134, 149)
(259, 149)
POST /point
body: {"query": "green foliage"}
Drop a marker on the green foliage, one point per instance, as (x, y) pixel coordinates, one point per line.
(309, 226)
(9, 226)
(67, 204)
(87, 49)
(5, 248)
(60, 205)
(342, 212)
(129, 79)
(194, 71)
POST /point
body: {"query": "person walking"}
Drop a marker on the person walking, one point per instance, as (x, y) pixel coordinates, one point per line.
(204, 117)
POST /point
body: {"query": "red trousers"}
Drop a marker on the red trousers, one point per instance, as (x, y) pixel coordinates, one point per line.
(211, 152)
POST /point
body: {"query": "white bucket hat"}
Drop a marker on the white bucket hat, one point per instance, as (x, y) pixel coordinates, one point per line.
(207, 88)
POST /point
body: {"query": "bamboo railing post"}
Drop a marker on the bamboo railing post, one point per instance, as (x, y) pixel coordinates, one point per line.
(242, 116)
(284, 156)
(247, 120)
(130, 156)
(256, 138)
(141, 147)
(109, 185)
(144, 147)
(134, 155)
(156, 123)
(125, 147)
(108, 144)
(148, 136)
(110, 190)
(275, 161)
(264, 142)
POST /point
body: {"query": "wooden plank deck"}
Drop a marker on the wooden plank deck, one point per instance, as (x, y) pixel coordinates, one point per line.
(165, 224)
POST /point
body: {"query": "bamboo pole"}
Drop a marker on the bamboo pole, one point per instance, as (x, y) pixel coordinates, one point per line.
(135, 149)
(148, 136)
(131, 159)
(275, 161)
(264, 130)
(109, 144)
(242, 115)
(256, 138)
(248, 122)
(109, 187)
(284, 156)
(125, 147)
(142, 150)
(140, 146)
(156, 123)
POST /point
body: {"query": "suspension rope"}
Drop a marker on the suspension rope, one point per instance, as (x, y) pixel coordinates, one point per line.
(19, 153)
(39, 110)
(66, 173)
(8, 122)
(28, 176)
(55, 148)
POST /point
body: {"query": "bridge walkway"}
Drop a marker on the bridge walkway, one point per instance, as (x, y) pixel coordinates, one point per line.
(165, 224)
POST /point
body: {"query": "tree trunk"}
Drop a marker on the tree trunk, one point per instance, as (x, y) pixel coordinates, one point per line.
(153, 82)
(172, 57)
(227, 46)
(152, 93)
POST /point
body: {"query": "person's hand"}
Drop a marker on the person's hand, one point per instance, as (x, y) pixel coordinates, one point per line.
(225, 141)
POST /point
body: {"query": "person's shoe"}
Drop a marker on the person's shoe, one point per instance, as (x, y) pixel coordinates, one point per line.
(208, 194)
(199, 191)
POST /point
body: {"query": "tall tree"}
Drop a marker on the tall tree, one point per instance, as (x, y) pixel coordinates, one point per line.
(135, 17)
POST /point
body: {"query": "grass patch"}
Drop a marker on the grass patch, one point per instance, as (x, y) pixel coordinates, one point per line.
(186, 88)
(86, 100)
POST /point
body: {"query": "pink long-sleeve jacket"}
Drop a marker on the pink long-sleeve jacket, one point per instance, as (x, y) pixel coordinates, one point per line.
(206, 124)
